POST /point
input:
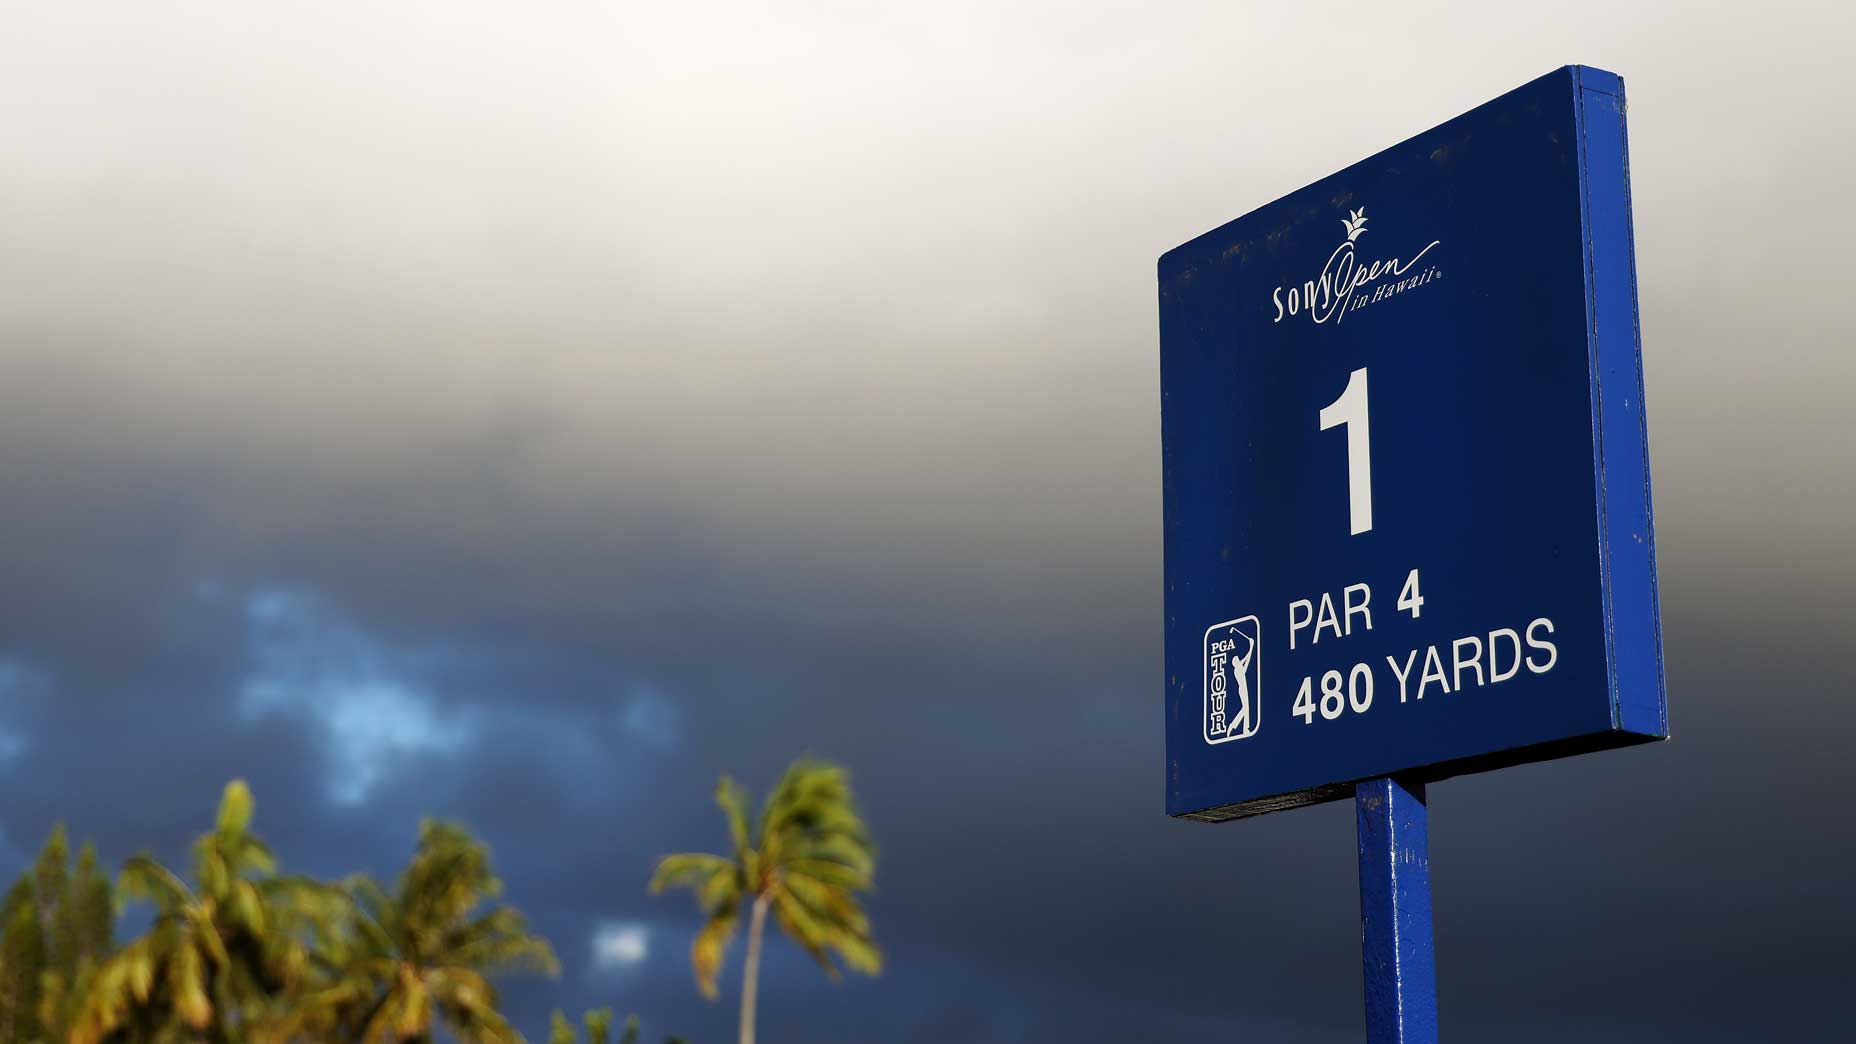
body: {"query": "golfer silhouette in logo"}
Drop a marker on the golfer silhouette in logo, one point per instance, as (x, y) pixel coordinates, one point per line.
(1239, 724)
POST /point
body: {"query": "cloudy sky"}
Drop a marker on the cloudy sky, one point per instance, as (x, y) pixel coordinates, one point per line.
(523, 412)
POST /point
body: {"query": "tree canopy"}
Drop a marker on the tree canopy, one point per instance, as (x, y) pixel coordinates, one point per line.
(238, 952)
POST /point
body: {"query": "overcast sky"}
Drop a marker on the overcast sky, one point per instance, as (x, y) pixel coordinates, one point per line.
(523, 412)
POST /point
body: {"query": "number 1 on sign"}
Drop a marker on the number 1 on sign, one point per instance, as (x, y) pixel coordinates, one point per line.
(1350, 410)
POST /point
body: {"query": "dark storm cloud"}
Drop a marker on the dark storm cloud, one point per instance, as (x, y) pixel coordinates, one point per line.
(524, 420)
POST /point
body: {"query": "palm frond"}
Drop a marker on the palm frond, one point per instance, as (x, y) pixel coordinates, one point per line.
(143, 878)
(711, 946)
(830, 872)
(735, 801)
(688, 870)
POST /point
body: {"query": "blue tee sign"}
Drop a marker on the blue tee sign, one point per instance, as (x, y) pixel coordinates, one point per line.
(1408, 524)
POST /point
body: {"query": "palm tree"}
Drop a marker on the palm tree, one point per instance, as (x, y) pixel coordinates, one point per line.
(598, 1029)
(219, 954)
(805, 860)
(56, 925)
(422, 955)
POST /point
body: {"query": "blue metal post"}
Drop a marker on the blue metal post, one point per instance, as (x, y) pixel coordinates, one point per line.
(1395, 912)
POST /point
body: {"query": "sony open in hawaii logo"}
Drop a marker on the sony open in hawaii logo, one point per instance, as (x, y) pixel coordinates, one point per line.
(1342, 285)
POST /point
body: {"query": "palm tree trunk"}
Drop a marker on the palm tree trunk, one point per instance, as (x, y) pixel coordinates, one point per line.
(750, 978)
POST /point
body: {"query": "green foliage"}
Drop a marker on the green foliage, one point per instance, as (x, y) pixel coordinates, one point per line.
(805, 859)
(22, 963)
(561, 1031)
(223, 953)
(57, 924)
(421, 956)
(240, 953)
(599, 1026)
(598, 1029)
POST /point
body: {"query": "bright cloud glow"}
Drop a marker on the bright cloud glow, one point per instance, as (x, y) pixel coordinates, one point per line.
(372, 723)
(620, 944)
(368, 703)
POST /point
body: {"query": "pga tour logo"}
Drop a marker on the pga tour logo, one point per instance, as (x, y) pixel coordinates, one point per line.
(1233, 678)
(1341, 287)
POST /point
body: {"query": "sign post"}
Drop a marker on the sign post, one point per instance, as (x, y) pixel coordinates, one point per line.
(1406, 481)
(1395, 912)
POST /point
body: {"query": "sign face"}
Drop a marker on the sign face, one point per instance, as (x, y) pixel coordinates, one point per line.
(1408, 522)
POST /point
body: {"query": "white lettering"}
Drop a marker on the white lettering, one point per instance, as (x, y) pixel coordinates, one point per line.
(1474, 661)
(1542, 644)
(1410, 658)
(1308, 616)
(1433, 668)
(1496, 674)
(1326, 618)
(1328, 295)
(1349, 607)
